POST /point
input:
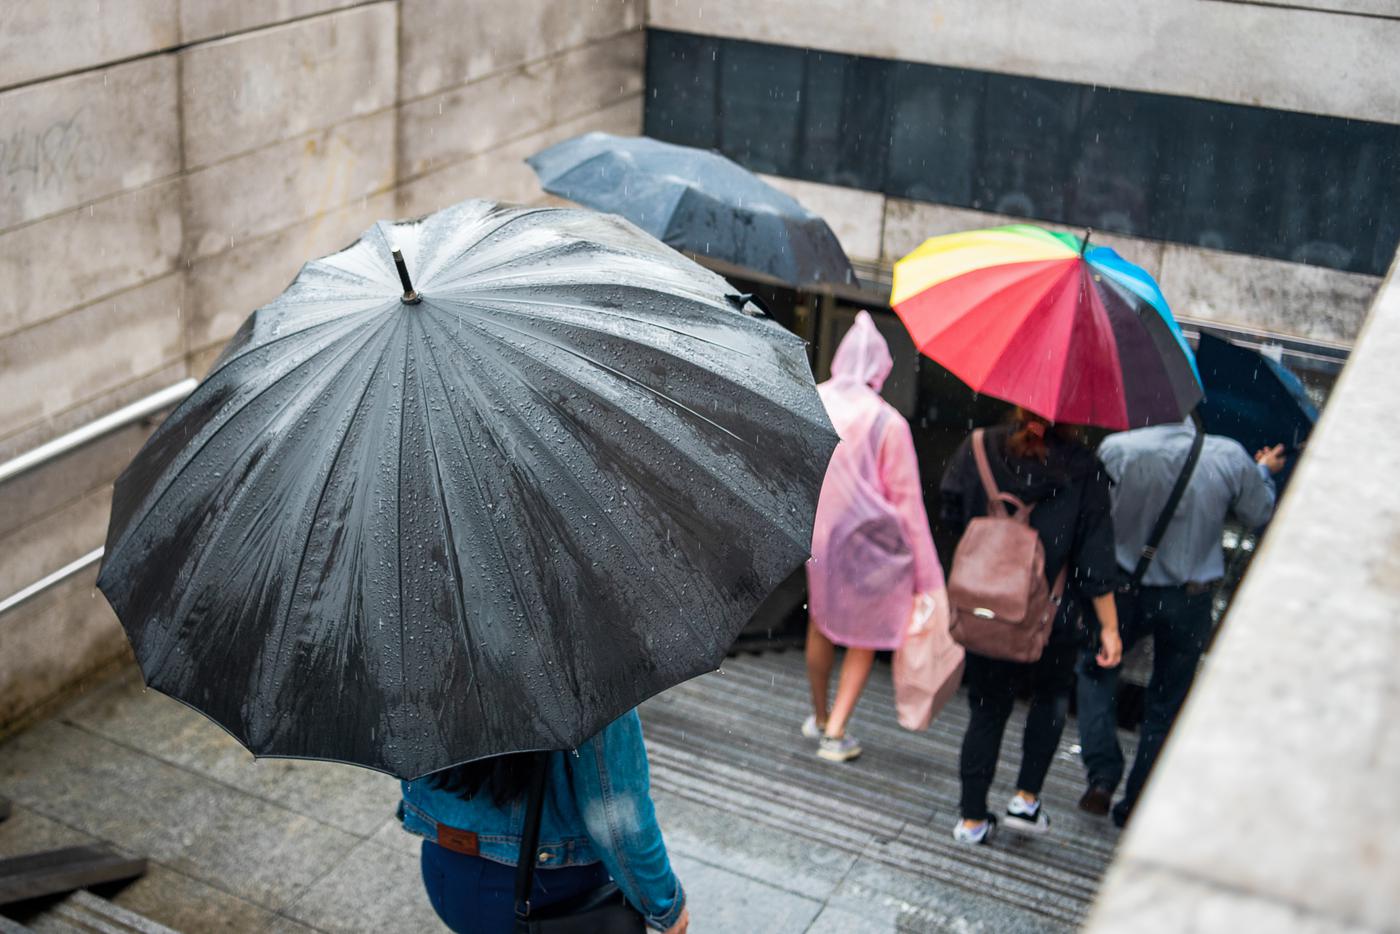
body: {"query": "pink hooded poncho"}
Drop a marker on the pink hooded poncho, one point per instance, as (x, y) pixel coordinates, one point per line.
(871, 547)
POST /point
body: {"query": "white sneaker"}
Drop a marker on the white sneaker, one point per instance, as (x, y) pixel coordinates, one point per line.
(838, 748)
(982, 833)
(1025, 817)
(810, 729)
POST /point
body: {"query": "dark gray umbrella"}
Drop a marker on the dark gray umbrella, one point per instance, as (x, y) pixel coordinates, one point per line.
(406, 529)
(696, 201)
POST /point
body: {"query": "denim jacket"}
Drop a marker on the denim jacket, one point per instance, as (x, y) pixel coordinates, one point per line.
(597, 807)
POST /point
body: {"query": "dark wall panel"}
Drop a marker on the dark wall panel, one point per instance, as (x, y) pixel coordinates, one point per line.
(1293, 186)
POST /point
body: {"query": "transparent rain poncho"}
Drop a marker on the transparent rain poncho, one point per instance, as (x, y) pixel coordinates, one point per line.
(871, 548)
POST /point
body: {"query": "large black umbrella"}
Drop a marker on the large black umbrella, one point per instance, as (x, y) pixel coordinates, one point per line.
(409, 529)
(696, 201)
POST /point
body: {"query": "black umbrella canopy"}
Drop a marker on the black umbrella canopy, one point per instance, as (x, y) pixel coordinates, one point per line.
(407, 531)
(696, 201)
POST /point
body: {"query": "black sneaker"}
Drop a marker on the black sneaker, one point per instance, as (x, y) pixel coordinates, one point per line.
(1026, 818)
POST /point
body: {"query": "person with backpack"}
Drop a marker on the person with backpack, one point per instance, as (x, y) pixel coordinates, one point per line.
(1016, 596)
(872, 552)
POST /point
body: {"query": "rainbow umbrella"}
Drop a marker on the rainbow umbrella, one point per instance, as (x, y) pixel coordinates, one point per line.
(1042, 320)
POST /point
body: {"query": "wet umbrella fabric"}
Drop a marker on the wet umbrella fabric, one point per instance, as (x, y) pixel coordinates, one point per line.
(696, 201)
(410, 535)
(1042, 320)
(1253, 399)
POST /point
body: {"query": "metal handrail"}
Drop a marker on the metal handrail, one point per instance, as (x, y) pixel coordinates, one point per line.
(96, 429)
(44, 583)
(71, 441)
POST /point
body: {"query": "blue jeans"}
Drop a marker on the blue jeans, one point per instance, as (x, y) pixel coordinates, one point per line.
(1180, 625)
(475, 895)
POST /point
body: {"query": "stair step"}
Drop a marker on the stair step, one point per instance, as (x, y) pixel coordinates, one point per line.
(88, 913)
(53, 872)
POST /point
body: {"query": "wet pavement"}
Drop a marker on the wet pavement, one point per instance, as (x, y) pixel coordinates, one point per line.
(764, 835)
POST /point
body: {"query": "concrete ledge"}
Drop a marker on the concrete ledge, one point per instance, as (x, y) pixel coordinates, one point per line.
(1267, 792)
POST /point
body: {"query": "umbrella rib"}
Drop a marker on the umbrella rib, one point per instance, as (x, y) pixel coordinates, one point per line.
(253, 348)
(758, 510)
(496, 533)
(320, 498)
(447, 525)
(146, 512)
(616, 532)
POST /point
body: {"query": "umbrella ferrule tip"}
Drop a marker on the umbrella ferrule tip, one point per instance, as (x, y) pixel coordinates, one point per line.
(411, 298)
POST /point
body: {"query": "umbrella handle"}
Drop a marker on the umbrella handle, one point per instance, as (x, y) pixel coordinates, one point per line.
(410, 296)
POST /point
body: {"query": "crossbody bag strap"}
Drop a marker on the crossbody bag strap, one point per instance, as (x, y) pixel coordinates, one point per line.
(530, 837)
(1149, 550)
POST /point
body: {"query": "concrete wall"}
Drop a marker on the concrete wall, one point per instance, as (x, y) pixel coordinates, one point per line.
(1292, 56)
(1294, 724)
(166, 167)
(1309, 302)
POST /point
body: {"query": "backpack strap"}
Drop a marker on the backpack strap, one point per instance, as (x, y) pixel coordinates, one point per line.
(997, 501)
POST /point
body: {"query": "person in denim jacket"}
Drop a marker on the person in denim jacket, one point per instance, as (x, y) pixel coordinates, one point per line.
(598, 822)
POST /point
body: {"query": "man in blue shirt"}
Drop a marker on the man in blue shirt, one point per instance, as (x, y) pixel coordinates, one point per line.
(1173, 603)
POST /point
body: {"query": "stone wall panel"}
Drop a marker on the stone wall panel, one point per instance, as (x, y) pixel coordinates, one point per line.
(52, 366)
(72, 140)
(74, 258)
(266, 190)
(480, 116)
(39, 40)
(502, 174)
(274, 84)
(447, 43)
(211, 19)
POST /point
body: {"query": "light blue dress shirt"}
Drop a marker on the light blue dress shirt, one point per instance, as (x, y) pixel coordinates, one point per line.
(1144, 464)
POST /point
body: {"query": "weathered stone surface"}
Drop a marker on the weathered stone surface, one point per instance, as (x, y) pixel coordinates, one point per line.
(51, 366)
(1186, 47)
(40, 548)
(856, 217)
(446, 43)
(354, 800)
(48, 644)
(475, 118)
(256, 850)
(723, 900)
(372, 889)
(269, 189)
(502, 174)
(225, 289)
(68, 141)
(42, 39)
(54, 265)
(910, 223)
(26, 832)
(1306, 719)
(1288, 298)
(183, 903)
(209, 19)
(274, 84)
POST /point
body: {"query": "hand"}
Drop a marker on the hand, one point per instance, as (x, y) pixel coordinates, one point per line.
(1110, 649)
(1272, 458)
(682, 923)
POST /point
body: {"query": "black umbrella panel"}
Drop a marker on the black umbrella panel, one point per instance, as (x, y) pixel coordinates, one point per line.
(696, 201)
(406, 525)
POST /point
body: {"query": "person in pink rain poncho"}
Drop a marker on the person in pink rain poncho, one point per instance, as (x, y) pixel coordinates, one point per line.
(872, 554)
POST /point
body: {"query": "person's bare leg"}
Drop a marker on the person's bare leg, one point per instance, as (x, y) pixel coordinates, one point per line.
(855, 671)
(821, 655)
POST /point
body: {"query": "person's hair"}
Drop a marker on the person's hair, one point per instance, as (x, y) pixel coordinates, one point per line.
(504, 778)
(1029, 432)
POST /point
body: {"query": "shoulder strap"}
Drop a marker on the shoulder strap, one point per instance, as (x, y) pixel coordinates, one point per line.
(530, 838)
(1149, 550)
(996, 499)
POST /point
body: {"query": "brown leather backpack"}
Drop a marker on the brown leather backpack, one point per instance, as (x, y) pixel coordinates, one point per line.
(1002, 606)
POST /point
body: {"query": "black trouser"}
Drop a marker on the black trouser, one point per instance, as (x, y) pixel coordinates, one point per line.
(991, 693)
(1178, 620)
